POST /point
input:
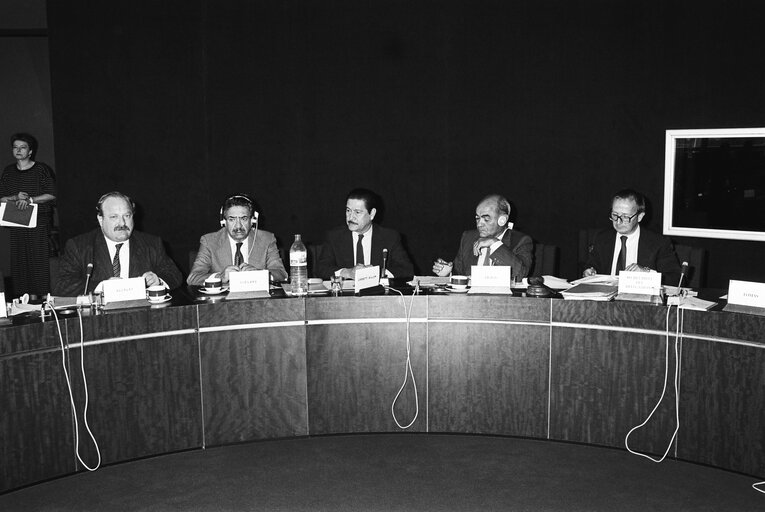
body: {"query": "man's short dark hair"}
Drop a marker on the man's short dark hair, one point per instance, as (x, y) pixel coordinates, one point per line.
(631, 195)
(29, 139)
(238, 200)
(370, 198)
(100, 204)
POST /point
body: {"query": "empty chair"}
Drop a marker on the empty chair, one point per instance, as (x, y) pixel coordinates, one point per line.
(697, 264)
(545, 260)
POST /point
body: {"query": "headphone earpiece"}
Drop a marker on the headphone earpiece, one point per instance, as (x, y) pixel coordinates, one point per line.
(502, 220)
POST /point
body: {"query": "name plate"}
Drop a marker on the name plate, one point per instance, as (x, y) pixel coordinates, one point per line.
(366, 277)
(490, 276)
(643, 283)
(118, 290)
(248, 281)
(3, 307)
(746, 293)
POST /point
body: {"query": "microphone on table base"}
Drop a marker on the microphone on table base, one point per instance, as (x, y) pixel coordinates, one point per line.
(683, 272)
(88, 273)
(385, 263)
(84, 299)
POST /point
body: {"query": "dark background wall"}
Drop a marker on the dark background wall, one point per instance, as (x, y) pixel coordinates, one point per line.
(24, 88)
(433, 104)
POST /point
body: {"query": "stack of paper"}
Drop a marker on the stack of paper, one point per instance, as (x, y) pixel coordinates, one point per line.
(587, 291)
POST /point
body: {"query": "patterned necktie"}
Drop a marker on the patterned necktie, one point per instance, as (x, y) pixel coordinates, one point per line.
(621, 264)
(238, 258)
(116, 267)
(487, 257)
(359, 251)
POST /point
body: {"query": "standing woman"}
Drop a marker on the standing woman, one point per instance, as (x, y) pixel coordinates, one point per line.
(24, 183)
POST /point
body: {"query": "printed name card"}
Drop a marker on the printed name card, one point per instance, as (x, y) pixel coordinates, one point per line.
(746, 293)
(3, 307)
(366, 277)
(248, 281)
(118, 290)
(644, 283)
(490, 276)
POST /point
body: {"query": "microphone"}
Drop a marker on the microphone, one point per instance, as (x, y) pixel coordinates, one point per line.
(88, 273)
(385, 263)
(683, 272)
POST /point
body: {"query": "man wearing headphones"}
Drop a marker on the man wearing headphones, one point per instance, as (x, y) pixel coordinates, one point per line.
(493, 242)
(116, 251)
(237, 246)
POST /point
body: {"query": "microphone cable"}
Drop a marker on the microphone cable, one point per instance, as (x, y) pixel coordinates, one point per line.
(69, 387)
(408, 365)
(664, 390)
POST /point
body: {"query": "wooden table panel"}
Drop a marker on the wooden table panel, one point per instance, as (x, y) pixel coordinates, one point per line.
(238, 312)
(36, 441)
(737, 326)
(635, 315)
(488, 307)
(722, 412)
(144, 396)
(355, 371)
(488, 378)
(605, 382)
(254, 383)
(376, 306)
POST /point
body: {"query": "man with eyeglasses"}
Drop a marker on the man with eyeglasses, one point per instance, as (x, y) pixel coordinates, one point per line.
(630, 247)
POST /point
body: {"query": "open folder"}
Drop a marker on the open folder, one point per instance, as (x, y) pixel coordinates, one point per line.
(12, 217)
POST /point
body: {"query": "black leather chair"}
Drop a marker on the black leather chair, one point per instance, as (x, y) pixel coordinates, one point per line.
(697, 264)
(546, 259)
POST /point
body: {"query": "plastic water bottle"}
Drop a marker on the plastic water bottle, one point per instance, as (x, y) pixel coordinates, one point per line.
(299, 267)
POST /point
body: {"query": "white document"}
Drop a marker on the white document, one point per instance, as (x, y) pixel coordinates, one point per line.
(250, 284)
(490, 279)
(642, 283)
(3, 307)
(120, 290)
(366, 277)
(746, 293)
(248, 281)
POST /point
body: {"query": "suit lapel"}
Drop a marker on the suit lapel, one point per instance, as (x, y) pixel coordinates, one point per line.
(101, 259)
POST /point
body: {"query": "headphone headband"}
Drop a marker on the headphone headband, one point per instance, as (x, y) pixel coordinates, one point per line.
(232, 201)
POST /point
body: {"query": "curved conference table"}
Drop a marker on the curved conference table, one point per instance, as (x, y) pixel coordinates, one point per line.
(164, 379)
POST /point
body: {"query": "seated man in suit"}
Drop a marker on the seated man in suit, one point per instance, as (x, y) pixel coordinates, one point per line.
(493, 242)
(116, 252)
(630, 247)
(236, 246)
(360, 242)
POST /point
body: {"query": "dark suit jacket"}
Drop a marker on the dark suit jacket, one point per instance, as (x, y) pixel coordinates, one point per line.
(654, 251)
(215, 255)
(517, 251)
(146, 254)
(337, 252)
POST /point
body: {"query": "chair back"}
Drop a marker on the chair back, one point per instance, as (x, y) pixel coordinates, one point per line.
(697, 264)
(546, 259)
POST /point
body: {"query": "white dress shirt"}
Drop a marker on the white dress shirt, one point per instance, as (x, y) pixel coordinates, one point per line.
(632, 249)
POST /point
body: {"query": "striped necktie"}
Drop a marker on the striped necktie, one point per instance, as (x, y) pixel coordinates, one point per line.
(238, 258)
(116, 267)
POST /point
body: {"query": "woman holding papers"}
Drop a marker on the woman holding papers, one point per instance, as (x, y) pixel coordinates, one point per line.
(22, 185)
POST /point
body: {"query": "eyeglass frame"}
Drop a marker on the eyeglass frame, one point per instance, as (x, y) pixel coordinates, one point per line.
(621, 219)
